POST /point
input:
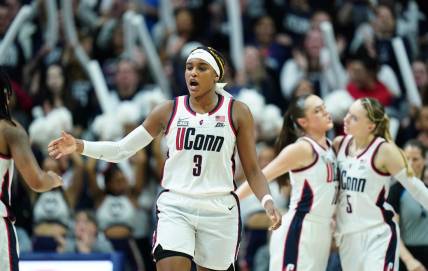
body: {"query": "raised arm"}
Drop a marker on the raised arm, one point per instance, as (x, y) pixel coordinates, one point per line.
(120, 150)
(18, 143)
(390, 160)
(247, 153)
(294, 156)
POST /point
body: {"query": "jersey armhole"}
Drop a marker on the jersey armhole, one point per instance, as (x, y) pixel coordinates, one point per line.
(381, 173)
(340, 145)
(311, 164)
(230, 113)
(173, 113)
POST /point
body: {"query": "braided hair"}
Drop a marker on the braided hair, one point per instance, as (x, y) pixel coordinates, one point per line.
(5, 94)
(219, 59)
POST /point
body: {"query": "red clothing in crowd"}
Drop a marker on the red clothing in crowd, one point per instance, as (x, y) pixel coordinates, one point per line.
(379, 92)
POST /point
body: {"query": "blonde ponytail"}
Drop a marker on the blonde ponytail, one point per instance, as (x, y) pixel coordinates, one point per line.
(376, 114)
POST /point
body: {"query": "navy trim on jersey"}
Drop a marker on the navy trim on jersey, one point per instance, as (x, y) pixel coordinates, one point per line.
(372, 162)
(155, 233)
(216, 107)
(4, 193)
(187, 105)
(340, 145)
(12, 249)
(173, 113)
(219, 104)
(347, 147)
(230, 113)
(367, 148)
(291, 246)
(392, 246)
(306, 199)
(233, 170)
(316, 142)
(5, 156)
(310, 165)
(239, 225)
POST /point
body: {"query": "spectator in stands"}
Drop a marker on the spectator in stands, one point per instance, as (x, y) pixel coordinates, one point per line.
(87, 238)
(412, 216)
(420, 72)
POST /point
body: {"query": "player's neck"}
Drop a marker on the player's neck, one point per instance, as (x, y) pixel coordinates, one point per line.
(204, 103)
(320, 138)
(361, 143)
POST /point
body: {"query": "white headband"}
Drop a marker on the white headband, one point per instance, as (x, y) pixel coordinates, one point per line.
(205, 56)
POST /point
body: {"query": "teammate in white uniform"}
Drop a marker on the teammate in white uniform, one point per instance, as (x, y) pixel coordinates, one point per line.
(367, 158)
(198, 214)
(15, 147)
(303, 241)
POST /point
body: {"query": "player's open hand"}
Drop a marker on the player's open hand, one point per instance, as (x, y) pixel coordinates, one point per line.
(273, 214)
(64, 145)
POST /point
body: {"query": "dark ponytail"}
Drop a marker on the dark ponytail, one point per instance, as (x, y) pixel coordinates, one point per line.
(291, 129)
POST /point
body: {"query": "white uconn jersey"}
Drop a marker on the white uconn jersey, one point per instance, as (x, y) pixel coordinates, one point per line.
(314, 188)
(6, 174)
(363, 189)
(200, 149)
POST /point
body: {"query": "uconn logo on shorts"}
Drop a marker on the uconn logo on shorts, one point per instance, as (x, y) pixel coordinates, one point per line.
(187, 139)
(290, 267)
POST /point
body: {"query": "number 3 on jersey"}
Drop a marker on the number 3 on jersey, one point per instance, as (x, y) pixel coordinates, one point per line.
(197, 160)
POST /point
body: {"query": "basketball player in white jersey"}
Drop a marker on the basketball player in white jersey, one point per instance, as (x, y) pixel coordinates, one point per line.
(198, 213)
(303, 240)
(368, 160)
(15, 148)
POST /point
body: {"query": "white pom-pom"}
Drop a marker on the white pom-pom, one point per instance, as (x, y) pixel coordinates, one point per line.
(337, 103)
(147, 100)
(270, 122)
(254, 100)
(37, 132)
(45, 129)
(128, 113)
(107, 127)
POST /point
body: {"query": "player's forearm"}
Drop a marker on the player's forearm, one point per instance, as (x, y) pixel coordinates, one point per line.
(258, 185)
(407, 257)
(244, 190)
(42, 182)
(116, 151)
(415, 186)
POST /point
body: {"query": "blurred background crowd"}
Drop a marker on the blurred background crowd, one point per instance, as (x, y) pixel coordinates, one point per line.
(286, 52)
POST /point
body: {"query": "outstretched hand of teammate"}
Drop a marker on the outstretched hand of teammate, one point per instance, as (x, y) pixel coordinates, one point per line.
(64, 145)
(273, 214)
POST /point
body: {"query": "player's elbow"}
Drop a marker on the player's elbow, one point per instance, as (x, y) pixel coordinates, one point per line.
(38, 183)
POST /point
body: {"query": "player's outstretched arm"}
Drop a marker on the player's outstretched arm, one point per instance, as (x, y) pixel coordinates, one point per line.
(390, 159)
(117, 151)
(294, 156)
(37, 179)
(247, 153)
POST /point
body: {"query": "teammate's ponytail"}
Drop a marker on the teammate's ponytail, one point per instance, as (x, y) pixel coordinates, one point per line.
(376, 114)
(291, 129)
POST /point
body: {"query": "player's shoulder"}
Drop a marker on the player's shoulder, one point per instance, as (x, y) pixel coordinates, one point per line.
(11, 128)
(337, 142)
(388, 150)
